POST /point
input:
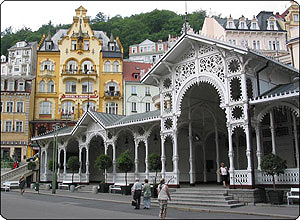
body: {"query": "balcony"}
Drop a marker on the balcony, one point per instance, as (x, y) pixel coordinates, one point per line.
(112, 94)
(67, 115)
(79, 72)
(47, 72)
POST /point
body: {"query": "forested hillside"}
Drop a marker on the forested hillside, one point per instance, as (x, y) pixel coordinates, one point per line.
(155, 25)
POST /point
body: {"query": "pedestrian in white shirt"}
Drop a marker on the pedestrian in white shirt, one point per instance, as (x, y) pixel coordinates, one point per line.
(137, 190)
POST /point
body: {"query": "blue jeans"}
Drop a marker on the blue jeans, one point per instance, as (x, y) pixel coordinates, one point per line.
(147, 202)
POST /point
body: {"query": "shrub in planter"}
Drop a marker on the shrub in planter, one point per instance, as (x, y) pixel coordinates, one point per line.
(273, 165)
(124, 163)
(103, 162)
(154, 163)
(73, 164)
(31, 165)
(50, 165)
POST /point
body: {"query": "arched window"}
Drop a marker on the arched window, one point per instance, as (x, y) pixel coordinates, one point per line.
(107, 66)
(67, 108)
(71, 87)
(47, 65)
(112, 108)
(116, 66)
(21, 85)
(51, 86)
(72, 66)
(46, 108)
(86, 67)
(11, 85)
(112, 89)
(42, 86)
(92, 106)
(87, 87)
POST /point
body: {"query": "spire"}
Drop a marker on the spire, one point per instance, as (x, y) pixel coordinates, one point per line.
(111, 37)
(48, 36)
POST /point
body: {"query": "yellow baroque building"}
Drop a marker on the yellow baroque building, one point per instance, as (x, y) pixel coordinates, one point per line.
(77, 69)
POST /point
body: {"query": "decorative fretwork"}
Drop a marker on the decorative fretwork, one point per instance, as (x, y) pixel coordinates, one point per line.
(235, 89)
(182, 72)
(237, 113)
(168, 123)
(167, 102)
(167, 83)
(189, 54)
(233, 66)
(109, 135)
(212, 64)
(205, 49)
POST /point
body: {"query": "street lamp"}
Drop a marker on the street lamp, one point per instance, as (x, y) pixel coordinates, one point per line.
(56, 126)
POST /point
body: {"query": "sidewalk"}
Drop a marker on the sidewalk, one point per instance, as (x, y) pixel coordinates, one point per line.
(262, 209)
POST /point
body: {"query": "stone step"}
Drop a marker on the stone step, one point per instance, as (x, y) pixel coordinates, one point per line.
(221, 201)
(197, 196)
(193, 205)
(203, 193)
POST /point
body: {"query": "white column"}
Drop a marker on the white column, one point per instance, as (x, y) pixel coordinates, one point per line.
(237, 149)
(136, 158)
(230, 155)
(163, 157)
(248, 151)
(146, 158)
(272, 132)
(191, 159)
(105, 152)
(175, 155)
(87, 173)
(296, 139)
(28, 67)
(204, 163)
(45, 163)
(65, 161)
(114, 162)
(217, 152)
(80, 164)
(258, 147)
(58, 159)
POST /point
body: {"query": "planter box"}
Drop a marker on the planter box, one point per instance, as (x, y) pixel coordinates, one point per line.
(275, 197)
(126, 190)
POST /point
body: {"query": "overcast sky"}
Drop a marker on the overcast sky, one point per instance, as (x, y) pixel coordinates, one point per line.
(34, 14)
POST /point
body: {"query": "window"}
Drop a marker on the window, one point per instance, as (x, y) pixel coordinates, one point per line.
(67, 108)
(9, 106)
(234, 42)
(254, 26)
(258, 45)
(45, 108)
(116, 66)
(295, 17)
(47, 65)
(51, 86)
(254, 44)
(147, 106)
(1, 106)
(134, 50)
(20, 107)
(73, 45)
(19, 126)
(48, 45)
(21, 86)
(160, 47)
(147, 90)
(133, 90)
(133, 106)
(71, 87)
(42, 86)
(87, 87)
(16, 68)
(107, 66)
(136, 75)
(230, 24)
(277, 45)
(272, 25)
(86, 45)
(112, 108)
(242, 25)
(92, 106)
(8, 126)
(112, 89)
(72, 66)
(10, 85)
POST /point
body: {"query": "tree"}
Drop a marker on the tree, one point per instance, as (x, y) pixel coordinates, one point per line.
(273, 165)
(50, 165)
(124, 163)
(103, 162)
(73, 164)
(100, 17)
(154, 163)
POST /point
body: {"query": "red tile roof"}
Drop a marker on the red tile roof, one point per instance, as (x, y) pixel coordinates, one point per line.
(131, 68)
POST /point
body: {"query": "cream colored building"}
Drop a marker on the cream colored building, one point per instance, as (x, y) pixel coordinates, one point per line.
(293, 45)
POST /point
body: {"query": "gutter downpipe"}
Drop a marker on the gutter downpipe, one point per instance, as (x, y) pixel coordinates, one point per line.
(257, 76)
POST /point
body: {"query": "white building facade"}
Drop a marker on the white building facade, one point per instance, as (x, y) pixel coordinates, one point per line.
(218, 103)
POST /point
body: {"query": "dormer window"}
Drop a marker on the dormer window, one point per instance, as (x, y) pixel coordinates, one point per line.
(136, 75)
(272, 24)
(48, 45)
(230, 25)
(74, 44)
(242, 25)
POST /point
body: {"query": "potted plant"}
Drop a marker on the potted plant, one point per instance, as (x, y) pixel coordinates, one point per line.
(103, 162)
(31, 165)
(154, 163)
(73, 164)
(125, 164)
(273, 165)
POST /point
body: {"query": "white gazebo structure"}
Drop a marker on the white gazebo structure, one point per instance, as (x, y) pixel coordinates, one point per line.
(218, 103)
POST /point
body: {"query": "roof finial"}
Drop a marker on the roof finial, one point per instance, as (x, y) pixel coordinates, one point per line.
(186, 20)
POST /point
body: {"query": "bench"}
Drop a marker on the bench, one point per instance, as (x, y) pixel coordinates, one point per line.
(10, 185)
(65, 184)
(292, 194)
(116, 187)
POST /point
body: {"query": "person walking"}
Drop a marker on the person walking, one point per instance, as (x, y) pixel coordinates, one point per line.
(163, 196)
(223, 171)
(137, 191)
(147, 194)
(22, 184)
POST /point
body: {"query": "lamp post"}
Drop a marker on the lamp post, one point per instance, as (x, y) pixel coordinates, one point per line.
(36, 144)
(54, 159)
